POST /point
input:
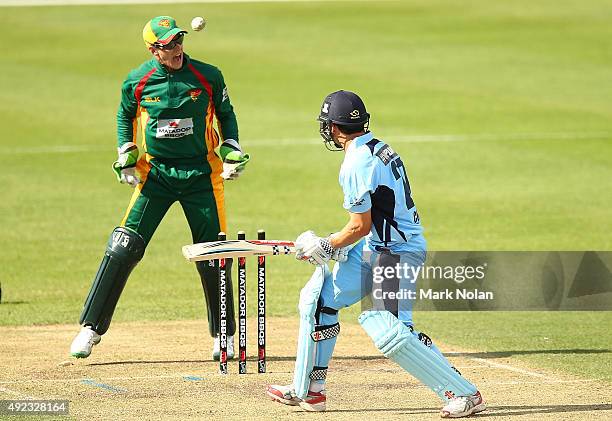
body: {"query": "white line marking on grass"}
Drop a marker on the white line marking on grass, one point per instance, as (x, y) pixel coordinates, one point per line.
(520, 382)
(122, 2)
(511, 368)
(505, 136)
(425, 138)
(184, 377)
(16, 393)
(173, 376)
(54, 149)
(462, 367)
(393, 139)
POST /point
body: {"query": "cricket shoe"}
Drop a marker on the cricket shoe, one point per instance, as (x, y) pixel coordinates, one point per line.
(463, 406)
(84, 342)
(283, 394)
(217, 348)
(314, 401)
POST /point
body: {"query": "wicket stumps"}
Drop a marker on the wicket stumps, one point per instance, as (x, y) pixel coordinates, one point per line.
(261, 308)
(222, 311)
(242, 310)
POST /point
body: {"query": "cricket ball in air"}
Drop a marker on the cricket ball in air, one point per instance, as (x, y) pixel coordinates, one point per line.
(198, 23)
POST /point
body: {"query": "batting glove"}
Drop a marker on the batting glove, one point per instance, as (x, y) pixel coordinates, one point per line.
(234, 160)
(125, 165)
(341, 254)
(314, 249)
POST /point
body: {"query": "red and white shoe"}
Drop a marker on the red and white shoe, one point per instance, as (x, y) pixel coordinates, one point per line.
(464, 406)
(283, 394)
(315, 401)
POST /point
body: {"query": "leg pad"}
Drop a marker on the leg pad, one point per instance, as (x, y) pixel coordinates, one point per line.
(124, 250)
(398, 342)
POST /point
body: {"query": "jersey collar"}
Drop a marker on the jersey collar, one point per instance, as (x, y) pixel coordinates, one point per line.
(358, 141)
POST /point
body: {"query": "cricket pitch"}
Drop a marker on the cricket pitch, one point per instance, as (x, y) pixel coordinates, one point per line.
(163, 370)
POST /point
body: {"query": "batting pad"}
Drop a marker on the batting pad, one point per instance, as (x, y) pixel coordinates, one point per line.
(306, 349)
(398, 343)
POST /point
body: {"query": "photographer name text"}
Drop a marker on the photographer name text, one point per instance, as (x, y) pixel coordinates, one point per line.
(431, 294)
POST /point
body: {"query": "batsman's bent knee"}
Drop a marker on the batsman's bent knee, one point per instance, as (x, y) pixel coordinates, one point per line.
(398, 342)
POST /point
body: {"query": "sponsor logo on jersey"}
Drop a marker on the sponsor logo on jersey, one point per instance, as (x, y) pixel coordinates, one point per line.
(225, 94)
(386, 154)
(152, 99)
(175, 128)
(194, 94)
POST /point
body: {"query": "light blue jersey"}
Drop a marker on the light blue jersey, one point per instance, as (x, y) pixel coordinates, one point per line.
(373, 177)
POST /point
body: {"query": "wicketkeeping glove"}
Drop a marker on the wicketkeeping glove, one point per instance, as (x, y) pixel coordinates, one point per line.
(234, 160)
(125, 165)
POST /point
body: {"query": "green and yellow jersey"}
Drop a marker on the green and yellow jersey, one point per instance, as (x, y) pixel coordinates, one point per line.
(176, 111)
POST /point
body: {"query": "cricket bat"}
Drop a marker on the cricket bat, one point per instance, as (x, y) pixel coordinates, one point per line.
(236, 248)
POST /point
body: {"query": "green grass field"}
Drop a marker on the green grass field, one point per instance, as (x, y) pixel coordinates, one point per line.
(501, 112)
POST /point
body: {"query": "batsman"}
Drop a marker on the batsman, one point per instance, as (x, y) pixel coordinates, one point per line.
(383, 232)
(174, 100)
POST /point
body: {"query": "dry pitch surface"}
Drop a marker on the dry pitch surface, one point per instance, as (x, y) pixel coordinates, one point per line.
(163, 371)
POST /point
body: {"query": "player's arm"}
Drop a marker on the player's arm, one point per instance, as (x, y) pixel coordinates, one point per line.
(126, 115)
(356, 181)
(357, 227)
(234, 160)
(228, 124)
(356, 185)
(127, 151)
(318, 250)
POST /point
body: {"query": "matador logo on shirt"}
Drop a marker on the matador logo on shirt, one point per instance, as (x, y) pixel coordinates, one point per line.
(171, 129)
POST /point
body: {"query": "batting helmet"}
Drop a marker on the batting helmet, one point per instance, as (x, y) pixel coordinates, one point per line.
(343, 108)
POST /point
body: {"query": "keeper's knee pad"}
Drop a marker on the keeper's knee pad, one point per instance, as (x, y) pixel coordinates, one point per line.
(124, 250)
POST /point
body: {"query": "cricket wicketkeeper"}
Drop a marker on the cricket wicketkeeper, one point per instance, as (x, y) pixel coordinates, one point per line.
(174, 100)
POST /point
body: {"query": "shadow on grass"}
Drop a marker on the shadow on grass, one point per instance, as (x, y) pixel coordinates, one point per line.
(9, 303)
(494, 411)
(498, 354)
(507, 410)
(505, 354)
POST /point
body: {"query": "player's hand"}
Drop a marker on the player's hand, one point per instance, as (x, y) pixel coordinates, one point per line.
(234, 160)
(314, 249)
(234, 164)
(125, 165)
(128, 176)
